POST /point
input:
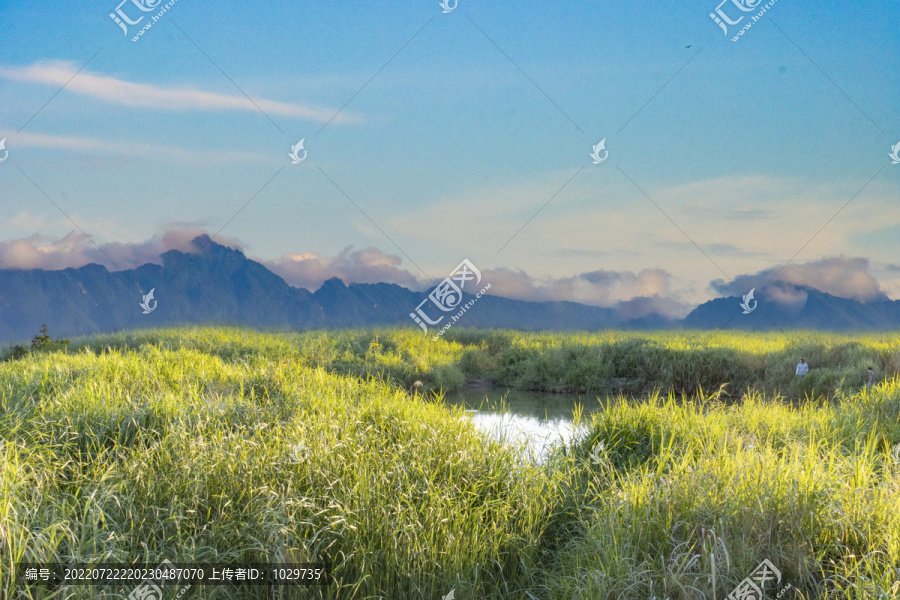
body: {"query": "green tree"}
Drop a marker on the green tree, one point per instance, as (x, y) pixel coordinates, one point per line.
(43, 341)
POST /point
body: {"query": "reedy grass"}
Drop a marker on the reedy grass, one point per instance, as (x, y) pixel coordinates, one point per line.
(689, 491)
(227, 445)
(162, 453)
(630, 363)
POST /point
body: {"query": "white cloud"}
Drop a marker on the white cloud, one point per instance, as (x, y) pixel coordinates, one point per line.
(129, 149)
(141, 95)
(76, 250)
(371, 265)
(600, 221)
(838, 276)
(633, 294)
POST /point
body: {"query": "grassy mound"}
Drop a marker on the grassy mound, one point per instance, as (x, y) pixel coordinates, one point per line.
(150, 453)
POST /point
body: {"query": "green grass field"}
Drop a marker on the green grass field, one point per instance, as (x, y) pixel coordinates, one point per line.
(226, 445)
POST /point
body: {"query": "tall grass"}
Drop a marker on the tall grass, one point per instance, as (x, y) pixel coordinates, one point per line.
(630, 363)
(688, 497)
(154, 453)
(228, 445)
(637, 363)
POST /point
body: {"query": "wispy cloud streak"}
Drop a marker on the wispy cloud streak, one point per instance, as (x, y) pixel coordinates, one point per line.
(142, 95)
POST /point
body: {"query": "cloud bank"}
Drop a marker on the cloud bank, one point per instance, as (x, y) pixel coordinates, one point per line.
(839, 276)
(371, 265)
(76, 250)
(634, 295)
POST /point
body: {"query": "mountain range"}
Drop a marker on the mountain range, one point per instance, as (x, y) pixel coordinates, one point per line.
(219, 285)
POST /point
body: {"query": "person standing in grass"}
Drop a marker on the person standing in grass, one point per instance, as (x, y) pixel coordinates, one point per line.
(870, 377)
(802, 368)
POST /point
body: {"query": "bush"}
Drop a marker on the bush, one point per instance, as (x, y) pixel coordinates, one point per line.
(43, 342)
(15, 353)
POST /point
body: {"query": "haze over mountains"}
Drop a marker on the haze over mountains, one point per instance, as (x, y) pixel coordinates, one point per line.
(219, 285)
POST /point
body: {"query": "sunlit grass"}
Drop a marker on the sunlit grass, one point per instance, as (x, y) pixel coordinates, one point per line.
(602, 363)
(228, 445)
(688, 493)
(174, 453)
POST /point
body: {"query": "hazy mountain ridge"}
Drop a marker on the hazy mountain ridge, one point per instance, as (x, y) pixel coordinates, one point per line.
(219, 285)
(817, 310)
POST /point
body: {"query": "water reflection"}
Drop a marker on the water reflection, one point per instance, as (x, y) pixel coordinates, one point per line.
(536, 420)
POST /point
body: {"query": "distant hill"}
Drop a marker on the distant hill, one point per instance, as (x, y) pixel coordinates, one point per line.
(219, 285)
(818, 311)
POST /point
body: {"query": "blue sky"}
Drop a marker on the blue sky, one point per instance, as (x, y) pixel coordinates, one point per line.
(725, 158)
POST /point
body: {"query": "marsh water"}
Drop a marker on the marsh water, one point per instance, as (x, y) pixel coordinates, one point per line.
(537, 420)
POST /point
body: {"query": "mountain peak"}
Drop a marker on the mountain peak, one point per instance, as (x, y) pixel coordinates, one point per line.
(203, 241)
(334, 283)
(795, 307)
(206, 246)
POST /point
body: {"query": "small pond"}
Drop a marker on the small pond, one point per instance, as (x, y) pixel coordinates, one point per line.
(537, 419)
